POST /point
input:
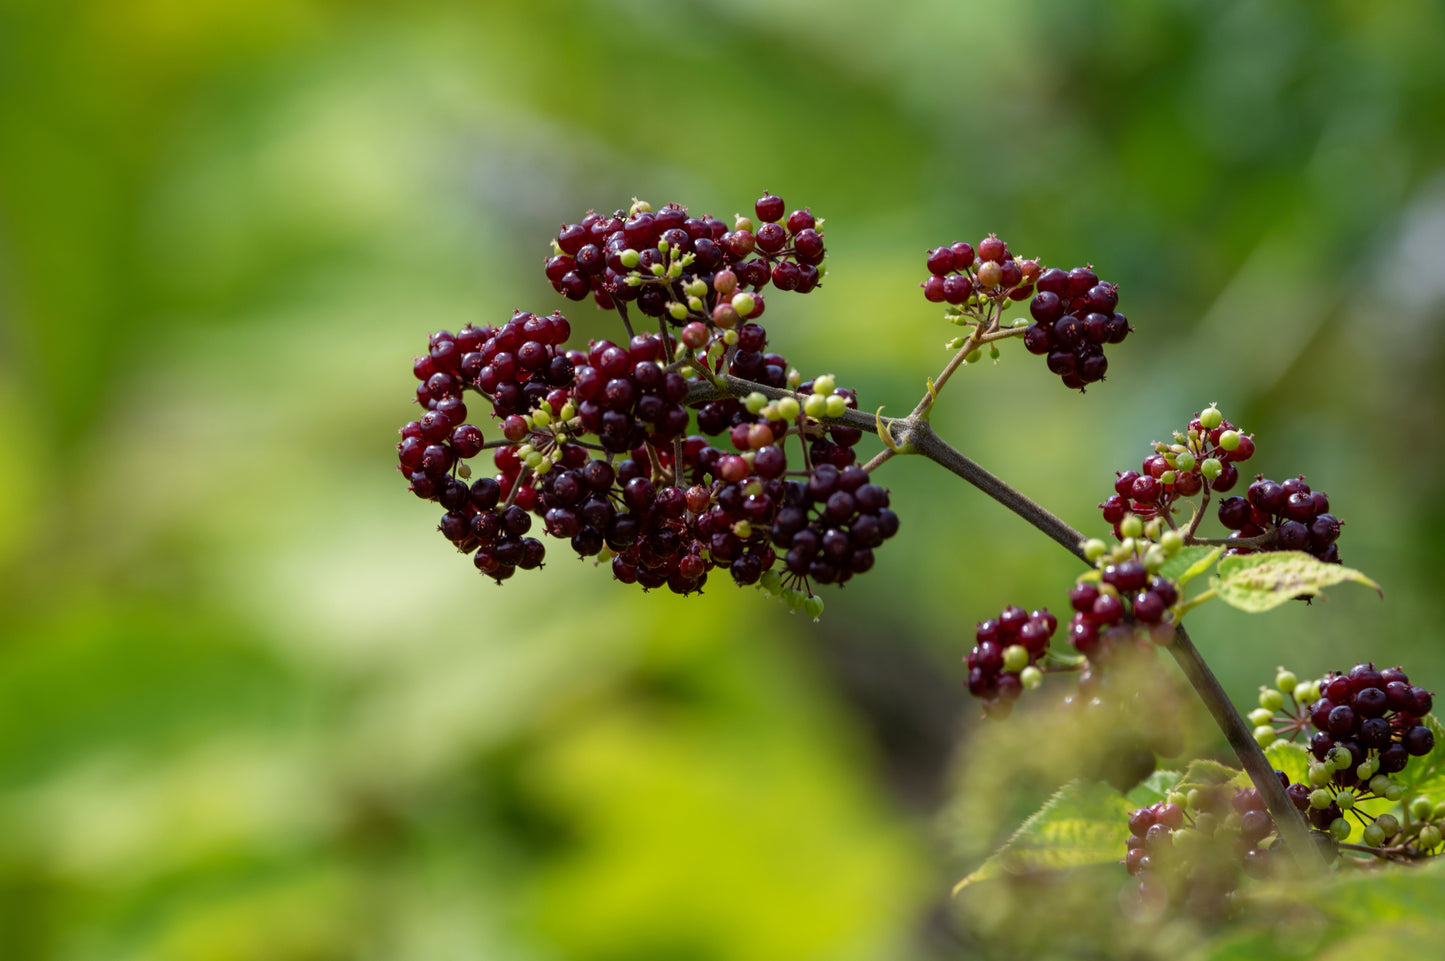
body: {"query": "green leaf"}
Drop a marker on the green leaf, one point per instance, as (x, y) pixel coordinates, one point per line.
(1259, 582)
(1205, 773)
(1291, 758)
(1426, 775)
(1154, 788)
(1190, 563)
(1086, 822)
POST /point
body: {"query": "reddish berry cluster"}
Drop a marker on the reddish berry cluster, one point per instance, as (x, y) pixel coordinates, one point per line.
(651, 257)
(595, 442)
(1101, 612)
(1074, 313)
(1074, 317)
(1006, 646)
(1369, 710)
(1298, 518)
(960, 271)
(1164, 478)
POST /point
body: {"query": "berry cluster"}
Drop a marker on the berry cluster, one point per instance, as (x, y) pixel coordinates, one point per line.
(1074, 313)
(1074, 317)
(1370, 713)
(1005, 658)
(1207, 453)
(1367, 724)
(1202, 460)
(1126, 591)
(1189, 849)
(667, 261)
(1282, 517)
(596, 442)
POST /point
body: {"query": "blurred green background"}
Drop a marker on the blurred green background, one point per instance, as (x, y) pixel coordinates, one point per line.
(252, 707)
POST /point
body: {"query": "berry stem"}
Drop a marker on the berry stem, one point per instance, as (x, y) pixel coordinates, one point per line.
(627, 324)
(1198, 516)
(1259, 540)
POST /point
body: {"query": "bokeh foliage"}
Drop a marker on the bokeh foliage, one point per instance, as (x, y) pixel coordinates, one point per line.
(250, 707)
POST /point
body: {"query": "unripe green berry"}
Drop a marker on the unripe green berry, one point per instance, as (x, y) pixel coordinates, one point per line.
(696, 288)
(1367, 769)
(974, 356)
(1389, 824)
(755, 402)
(1439, 812)
(1206, 823)
(1131, 526)
(788, 408)
(677, 311)
(794, 598)
(1320, 799)
(1345, 799)
(1229, 440)
(1307, 692)
(540, 417)
(1339, 758)
(658, 270)
(695, 304)
(1429, 836)
(1031, 677)
(1270, 698)
(816, 405)
(1320, 774)
(464, 471)
(1260, 715)
(1154, 559)
(1380, 783)
(813, 606)
(1015, 658)
(1168, 477)
(1196, 799)
(1373, 835)
(1184, 461)
(1153, 528)
(744, 304)
(824, 384)
(1421, 809)
(1172, 542)
(1395, 792)
(1177, 797)
(1210, 417)
(836, 404)
(771, 581)
(1211, 468)
(674, 270)
(1264, 735)
(1285, 681)
(630, 258)
(1339, 829)
(543, 465)
(1094, 548)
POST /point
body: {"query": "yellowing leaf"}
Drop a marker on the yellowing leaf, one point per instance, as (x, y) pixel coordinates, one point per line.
(1260, 582)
